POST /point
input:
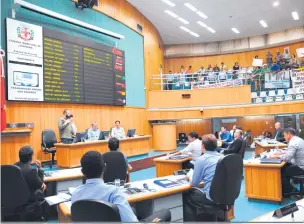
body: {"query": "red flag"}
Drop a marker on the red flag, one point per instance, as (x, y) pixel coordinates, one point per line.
(3, 103)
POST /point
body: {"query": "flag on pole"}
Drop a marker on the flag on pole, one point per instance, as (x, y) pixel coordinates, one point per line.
(3, 102)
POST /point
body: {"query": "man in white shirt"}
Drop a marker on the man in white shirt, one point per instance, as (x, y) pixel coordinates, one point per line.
(233, 130)
(117, 131)
(93, 133)
(194, 149)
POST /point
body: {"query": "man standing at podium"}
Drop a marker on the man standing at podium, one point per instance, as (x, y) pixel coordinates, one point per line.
(67, 129)
(117, 131)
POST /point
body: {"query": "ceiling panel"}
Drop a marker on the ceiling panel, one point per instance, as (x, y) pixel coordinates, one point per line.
(222, 16)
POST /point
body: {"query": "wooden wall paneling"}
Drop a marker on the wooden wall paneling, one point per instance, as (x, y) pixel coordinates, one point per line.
(200, 97)
(244, 58)
(227, 111)
(200, 126)
(46, 115)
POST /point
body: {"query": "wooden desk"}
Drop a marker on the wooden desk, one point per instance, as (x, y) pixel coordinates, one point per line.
(11, 142)
(69, 155)
(166, 167)
(149, 202)
(261, 147)
(298, 216)
(263, 181)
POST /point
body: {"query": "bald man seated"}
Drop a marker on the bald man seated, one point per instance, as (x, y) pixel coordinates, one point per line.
(279, 133)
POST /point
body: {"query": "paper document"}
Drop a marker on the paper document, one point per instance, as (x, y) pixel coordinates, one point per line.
(57, 199)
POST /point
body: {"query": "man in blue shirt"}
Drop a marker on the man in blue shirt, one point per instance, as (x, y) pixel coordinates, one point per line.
(225, 137)
(93, 133)
(93, 167)
(204, 171)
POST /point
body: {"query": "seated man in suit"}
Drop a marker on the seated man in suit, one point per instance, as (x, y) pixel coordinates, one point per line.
(294, 156)
(236, 145)
(33, 178)
(93, 167)
(113, 145)
(279, 133)
(204, 171)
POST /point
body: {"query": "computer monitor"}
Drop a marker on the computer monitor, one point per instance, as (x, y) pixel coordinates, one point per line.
(131, 132)
(80, 137)
(104, 135)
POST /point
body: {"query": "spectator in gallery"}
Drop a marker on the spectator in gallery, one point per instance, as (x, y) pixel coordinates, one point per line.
(269, 59)
(223, 67)
(294, 62)
(201, 70)
(279, 57)
(189, 70)
(275, 67)
(236, 66)
(209, 68)
(256, 57)
(170, 79)
(216, 68)
(286, 56)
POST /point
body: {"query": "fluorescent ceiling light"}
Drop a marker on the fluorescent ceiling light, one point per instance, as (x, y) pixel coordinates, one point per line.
(235, 30)
(168, 2)
(191, 7)
(275, 4)
(185, 29)
(263, 23)
(202, 24)
(183, 20)
(211, 30)
(171, 13)
(194, 34)
(295, 15)
(201, 14)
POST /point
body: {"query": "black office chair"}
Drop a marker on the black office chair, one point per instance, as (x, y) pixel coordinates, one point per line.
(15, 196)
(94, 211)
(300, 180)
(224, 190)
(243, 147)
(116, 166)
(48, 141)
(182, 137)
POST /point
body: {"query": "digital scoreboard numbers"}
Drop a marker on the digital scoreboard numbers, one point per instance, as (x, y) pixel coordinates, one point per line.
(119, 73)
(63, 71)
(98, 76)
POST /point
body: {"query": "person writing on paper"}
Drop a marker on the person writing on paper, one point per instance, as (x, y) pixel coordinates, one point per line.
(113, 145)
(294, 156)
(194, 149)
(279, 133)
(93, 132)
(117, 131)
(67, 129)
(93, 168)
(204, 171)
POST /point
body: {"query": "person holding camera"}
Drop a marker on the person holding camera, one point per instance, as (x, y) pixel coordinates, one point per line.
(67, 129)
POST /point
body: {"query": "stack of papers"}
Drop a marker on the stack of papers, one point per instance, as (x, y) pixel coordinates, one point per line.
(57, 199)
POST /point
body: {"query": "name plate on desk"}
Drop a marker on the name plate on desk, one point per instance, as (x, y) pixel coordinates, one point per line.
(286, 210)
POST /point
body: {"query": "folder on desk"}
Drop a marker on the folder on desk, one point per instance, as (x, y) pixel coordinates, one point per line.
(271, 161)
(57, 199)
(166, 183)
(179, 157)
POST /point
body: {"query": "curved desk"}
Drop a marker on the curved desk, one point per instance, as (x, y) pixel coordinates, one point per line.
(69, 155)
(261, 147)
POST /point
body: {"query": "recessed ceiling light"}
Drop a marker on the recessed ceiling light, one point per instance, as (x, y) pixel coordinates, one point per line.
(168, 2)
(235, 30)
(185, 29)
(275, 4)
(211, 30)
(194, 34)
(202, 24)
(191, 7)
(171, 13)
(295, 15)
(201, 14)
(183, 20)
(263, 23)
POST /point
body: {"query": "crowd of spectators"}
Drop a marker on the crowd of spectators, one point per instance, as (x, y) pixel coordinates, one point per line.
(220, 73)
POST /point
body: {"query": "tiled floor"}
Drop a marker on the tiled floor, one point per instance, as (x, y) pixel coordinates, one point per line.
(244, 210)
